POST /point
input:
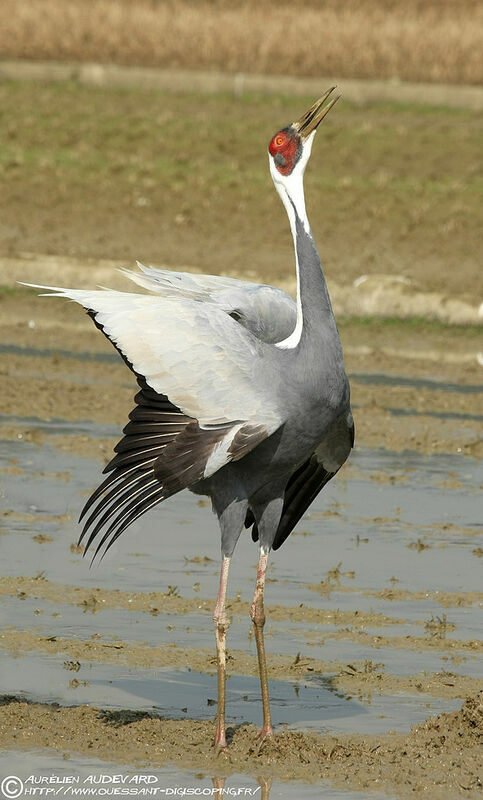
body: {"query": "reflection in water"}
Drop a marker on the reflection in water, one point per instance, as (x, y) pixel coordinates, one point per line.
(265, 784)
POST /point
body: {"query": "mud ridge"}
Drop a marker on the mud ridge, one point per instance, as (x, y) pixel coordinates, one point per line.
(41, 588)
(356, 678)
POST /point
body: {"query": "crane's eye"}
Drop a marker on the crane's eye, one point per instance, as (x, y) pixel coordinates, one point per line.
(278, 142)
(285, 148)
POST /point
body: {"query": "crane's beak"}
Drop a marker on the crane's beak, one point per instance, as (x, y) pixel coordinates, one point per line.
(312, 118)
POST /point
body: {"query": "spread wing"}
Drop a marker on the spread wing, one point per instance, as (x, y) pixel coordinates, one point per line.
(194, 353)
(268, 313)
(310, 478)
(203, 400)
(162, 452)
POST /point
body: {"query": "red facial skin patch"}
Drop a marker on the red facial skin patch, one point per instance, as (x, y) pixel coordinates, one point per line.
(285, 147)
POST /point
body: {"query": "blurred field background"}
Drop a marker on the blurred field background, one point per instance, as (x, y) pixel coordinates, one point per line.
(183, 180)
(415, 40)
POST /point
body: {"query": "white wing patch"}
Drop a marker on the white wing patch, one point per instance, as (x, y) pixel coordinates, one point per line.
(192, 352)
(220, 454)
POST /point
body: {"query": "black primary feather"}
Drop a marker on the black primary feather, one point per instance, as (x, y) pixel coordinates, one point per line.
(131, 487)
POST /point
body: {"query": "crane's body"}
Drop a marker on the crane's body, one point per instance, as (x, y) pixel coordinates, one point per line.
(243, 397)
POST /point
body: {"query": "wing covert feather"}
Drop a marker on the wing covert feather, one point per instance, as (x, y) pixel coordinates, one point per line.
(266, 311)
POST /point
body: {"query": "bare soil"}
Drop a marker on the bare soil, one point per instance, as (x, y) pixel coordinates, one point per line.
(182, 180)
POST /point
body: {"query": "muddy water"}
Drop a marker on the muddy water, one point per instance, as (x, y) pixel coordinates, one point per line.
(373, 604)
(342, 559)
(85, 771)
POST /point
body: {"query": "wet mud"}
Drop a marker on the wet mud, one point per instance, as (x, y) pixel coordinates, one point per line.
(373, 606)
(442, 752)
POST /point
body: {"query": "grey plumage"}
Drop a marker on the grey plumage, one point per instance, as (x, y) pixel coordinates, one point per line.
(242, 395)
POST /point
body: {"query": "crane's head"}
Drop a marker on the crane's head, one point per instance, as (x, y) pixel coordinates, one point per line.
(289, 150)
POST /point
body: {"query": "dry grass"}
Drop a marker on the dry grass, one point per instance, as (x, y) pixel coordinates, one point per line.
(435, 40)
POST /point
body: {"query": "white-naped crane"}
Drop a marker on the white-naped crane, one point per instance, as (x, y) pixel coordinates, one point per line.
(242, 397)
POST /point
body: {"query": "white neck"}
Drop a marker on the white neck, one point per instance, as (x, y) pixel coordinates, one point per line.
(291, 191)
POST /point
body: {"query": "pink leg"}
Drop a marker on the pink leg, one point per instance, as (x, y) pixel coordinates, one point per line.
(257, 613)
(221, 626)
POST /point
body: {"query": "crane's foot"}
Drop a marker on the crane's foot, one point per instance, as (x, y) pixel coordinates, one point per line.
(265, 733)
(219, 741)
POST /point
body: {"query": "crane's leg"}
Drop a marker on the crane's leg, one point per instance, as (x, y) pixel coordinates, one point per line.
(222, 624)
(267, 508)
(230, 506)
(257, 613)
